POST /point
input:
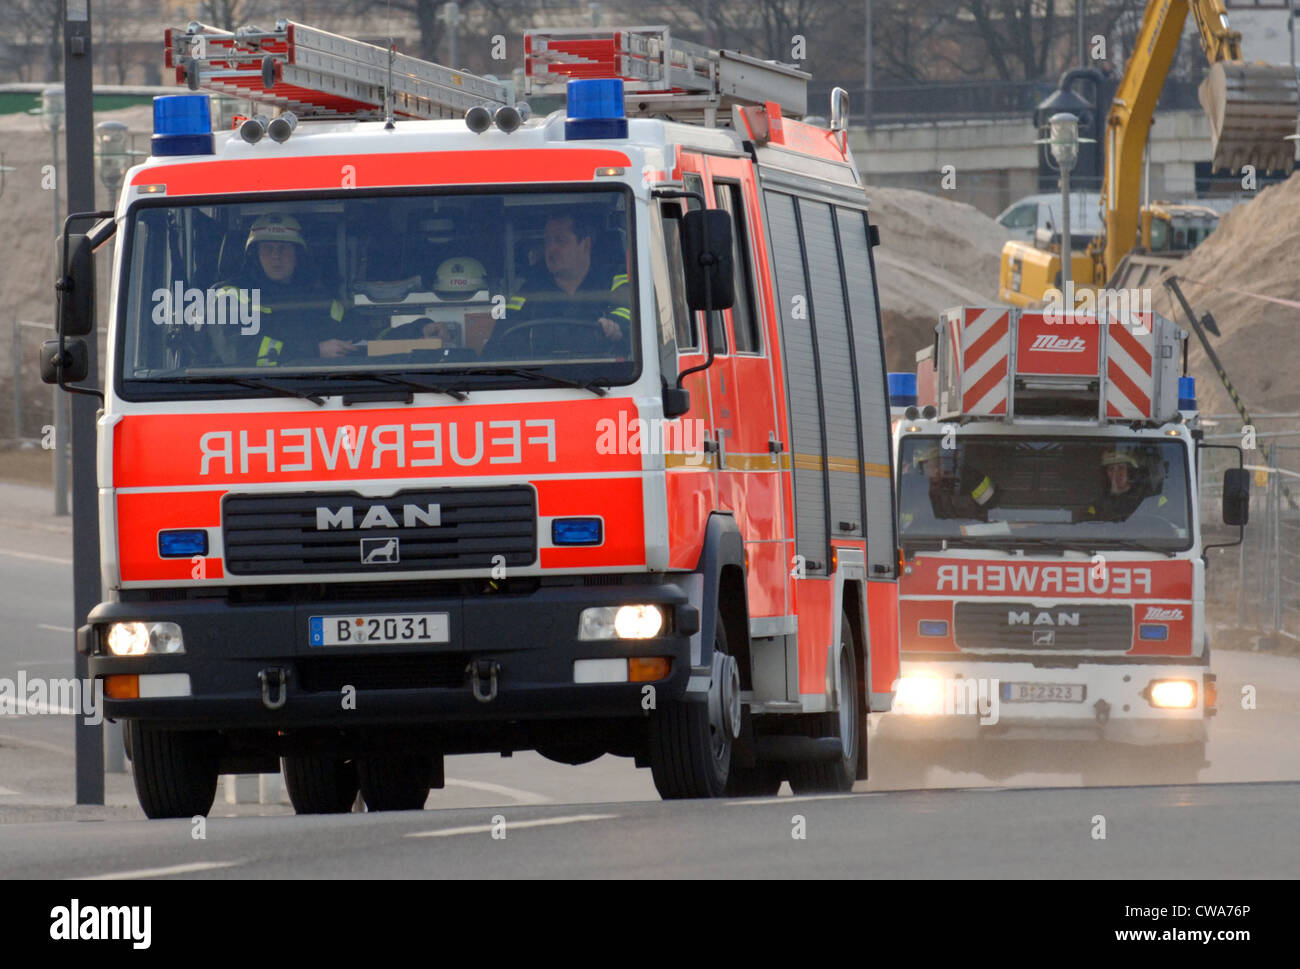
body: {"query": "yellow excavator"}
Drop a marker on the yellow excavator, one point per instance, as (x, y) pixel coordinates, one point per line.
(1251, 109)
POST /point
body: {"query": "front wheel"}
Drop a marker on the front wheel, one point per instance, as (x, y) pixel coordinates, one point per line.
(175, 771)
(691, 742)
(849, 724)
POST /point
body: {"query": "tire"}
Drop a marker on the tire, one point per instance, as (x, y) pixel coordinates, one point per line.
(691, 742)
(849, 724)
(320, 782)
(175, 771)
(395, 782)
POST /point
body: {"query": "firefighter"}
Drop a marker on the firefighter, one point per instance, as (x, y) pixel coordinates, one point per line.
(297, 320)
(969, 494)
(572, 290)
(1121, 491)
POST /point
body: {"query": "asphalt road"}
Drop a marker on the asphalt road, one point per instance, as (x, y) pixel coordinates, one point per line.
(605, 819)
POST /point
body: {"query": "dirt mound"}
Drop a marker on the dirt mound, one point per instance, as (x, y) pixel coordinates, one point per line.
(934, 254)
(1248, 261)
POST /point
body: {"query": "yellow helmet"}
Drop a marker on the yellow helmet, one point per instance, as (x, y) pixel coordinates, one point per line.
(925, 452)
(275, 228)
(459, 278)
(1118, 456)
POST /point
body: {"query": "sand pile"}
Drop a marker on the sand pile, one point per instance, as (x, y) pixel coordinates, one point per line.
(1251, 254)
(934, 254)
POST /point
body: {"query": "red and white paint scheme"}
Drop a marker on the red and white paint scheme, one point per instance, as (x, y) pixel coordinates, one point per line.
(669, 536)
(1053, 582)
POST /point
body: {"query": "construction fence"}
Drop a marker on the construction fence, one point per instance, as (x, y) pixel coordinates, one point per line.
(1253, 589)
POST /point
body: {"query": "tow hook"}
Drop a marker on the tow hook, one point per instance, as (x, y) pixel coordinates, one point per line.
(1103, 711)
(477, 670)
(275, 678)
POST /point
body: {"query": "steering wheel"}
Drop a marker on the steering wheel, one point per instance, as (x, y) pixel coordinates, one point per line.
(545, 337)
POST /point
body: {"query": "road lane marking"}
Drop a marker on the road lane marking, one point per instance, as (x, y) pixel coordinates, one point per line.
(34, 557)
(523, 797)
(488, 828)
(802, 797)
(56, 629)
(5, 792)
(190, 868)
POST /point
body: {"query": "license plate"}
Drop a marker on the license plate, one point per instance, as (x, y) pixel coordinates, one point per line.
(1043, 692)
(425, 627)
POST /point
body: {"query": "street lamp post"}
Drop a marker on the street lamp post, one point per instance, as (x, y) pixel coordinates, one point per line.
(452, 17)
(1065, 149)
(52, 108)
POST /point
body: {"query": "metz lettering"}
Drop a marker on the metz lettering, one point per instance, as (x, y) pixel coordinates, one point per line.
(1117, 580)
(295, 449)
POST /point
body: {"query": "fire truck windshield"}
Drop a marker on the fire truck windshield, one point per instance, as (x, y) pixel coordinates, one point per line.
(997, 491)
(476, 290)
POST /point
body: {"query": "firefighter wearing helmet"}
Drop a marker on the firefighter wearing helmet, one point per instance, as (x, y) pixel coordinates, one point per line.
(295, 320)
(1122, 491)
(956, 491)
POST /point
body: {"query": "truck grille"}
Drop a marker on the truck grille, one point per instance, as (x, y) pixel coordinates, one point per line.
(331, 532)
(1020, 626)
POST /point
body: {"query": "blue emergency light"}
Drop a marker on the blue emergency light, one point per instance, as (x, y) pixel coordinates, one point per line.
(182, 543)
(902, 390)
(595, 109)
(1187, 393)
(182, 125)
(576, 531)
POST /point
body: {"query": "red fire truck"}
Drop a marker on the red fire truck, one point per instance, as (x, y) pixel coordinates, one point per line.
(430, 427)
(1051, 605)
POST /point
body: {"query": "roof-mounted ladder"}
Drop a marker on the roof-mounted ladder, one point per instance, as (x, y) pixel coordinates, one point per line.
(661, 75)
(317, 74)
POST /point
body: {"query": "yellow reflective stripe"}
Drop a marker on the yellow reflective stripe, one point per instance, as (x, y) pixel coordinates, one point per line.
(267, 347)
(515, 303)
(623, 313)
(1163, 501)
(336, 311)
(983, 491)
(619, 280)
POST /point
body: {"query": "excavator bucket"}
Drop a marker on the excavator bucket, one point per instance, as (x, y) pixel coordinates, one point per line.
(1252, 108)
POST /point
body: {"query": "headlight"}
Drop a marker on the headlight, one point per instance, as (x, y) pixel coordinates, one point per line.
(621, 622)
(139, 638)
(1180, 694)
(919, 694)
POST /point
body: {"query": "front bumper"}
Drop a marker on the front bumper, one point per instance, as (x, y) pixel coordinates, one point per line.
(531, 639)
(1113, 706)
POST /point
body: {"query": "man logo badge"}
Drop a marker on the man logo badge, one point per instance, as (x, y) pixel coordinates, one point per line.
(376, 550)
(1044, 637)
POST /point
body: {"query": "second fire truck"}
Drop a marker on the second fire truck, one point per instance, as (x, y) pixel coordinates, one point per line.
(1052, 597)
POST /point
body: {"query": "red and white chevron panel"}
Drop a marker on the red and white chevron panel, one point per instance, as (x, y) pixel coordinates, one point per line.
(982, 343)
(1130, 380)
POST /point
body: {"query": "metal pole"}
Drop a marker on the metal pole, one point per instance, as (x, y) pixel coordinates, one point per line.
(868, 69)
(17, 364)
(1080, 7)
(60, 454)
(1065, 234)
(1277, 545)
(80, 120)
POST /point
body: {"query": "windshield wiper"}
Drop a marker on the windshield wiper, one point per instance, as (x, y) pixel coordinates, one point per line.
(1139, 545)
(1055, 544)
(256, 383)
(599, 386)
(387, 378)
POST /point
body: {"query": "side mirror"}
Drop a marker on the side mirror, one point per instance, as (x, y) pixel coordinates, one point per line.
(713, 263)
(1236, 496)
(77, 288)
(69, 367)
(677, 401)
